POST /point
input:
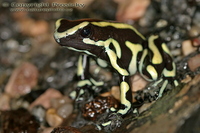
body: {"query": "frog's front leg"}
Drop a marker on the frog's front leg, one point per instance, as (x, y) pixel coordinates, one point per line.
(125, 95)
(115, 119)
(86, 85)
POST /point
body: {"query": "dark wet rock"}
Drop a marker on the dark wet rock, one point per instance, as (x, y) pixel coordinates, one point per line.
(66, 129)
(18, 121)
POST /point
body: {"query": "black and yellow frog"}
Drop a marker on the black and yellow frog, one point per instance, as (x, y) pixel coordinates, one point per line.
(122, 48)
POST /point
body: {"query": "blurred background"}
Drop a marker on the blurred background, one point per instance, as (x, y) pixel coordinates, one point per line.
(32, 64)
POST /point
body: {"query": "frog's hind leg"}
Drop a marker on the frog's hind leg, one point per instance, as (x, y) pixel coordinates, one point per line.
(157, 67)
(169, 73)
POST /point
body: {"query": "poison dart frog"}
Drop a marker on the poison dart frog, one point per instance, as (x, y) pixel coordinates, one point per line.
(122, 48)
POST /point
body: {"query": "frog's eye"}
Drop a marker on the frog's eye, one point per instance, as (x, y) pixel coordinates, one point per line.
(86, 31)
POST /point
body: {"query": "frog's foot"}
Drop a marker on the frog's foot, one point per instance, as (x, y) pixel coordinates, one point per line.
(155, 90)
(148, 95)
(86, 89)
(81, 94)
(111, 122)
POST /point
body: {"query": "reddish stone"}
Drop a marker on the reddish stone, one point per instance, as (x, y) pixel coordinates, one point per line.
(45, 98)
(22, 80)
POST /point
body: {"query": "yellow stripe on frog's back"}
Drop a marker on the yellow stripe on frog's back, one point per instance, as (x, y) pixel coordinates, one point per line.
(118, 26)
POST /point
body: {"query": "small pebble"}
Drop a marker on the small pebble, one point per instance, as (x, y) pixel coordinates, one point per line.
(39, 112)
(187, 47)
(65, 110)
(161, 23)
(57, 102)
(4, 102)
(194, 31)
(52, 118)
(11, 44)
(194, 62)
(196, 42)
(5, 33)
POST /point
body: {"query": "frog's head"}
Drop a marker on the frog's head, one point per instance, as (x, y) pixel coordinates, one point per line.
(75, 35)
(93, 36)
